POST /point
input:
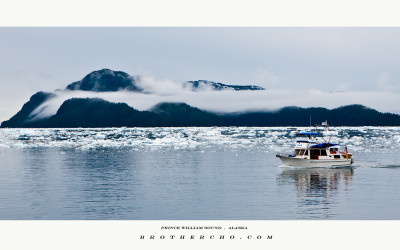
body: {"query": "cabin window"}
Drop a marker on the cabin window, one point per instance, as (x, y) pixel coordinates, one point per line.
(315, 152)
(333, 150)
(300, 152)
(323, 152)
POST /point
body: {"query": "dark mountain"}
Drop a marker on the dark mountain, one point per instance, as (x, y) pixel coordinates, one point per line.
(106, 80)
(23, 117)
(351, 115)
(78, 112)
(358, 114)
(183, 115)
(203, 84)
(94, 112)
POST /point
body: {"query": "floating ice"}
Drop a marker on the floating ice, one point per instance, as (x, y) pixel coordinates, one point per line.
(363, 139)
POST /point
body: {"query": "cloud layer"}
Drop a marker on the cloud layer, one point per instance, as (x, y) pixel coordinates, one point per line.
(226, 101)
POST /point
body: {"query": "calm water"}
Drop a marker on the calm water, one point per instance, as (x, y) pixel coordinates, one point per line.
(192, 173)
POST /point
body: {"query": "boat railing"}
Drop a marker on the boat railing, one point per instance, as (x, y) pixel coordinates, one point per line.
(284, 155)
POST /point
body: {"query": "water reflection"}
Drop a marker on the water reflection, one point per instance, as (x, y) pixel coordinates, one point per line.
(317, 189)
(103, 185)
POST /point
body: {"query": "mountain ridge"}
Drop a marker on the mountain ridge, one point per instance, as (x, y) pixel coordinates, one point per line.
(96, 112)
(216, 86)
(107, 80)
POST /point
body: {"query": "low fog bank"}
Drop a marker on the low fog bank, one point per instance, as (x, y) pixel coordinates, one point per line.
(230, 101)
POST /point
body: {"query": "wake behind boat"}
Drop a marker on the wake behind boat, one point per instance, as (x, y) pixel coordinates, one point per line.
(314, 154)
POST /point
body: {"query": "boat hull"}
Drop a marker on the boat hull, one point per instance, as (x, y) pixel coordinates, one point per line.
(310, 163)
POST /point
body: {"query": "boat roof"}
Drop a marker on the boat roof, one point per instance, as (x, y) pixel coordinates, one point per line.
(307, 134)
(323, 145)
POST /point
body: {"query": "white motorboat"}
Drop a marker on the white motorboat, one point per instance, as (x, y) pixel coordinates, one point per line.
(316, 154)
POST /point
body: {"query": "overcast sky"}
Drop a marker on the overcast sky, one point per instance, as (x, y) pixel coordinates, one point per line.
(317, 61)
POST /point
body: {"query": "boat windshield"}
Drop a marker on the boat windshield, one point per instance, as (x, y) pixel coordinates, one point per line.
(301, 152)
(333, 150)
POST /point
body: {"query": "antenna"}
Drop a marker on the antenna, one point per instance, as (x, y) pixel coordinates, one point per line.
(316, 127)
(326, 126)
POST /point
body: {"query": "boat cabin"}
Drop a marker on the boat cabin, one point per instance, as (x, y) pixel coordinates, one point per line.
(316, 154)
(313, 150)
